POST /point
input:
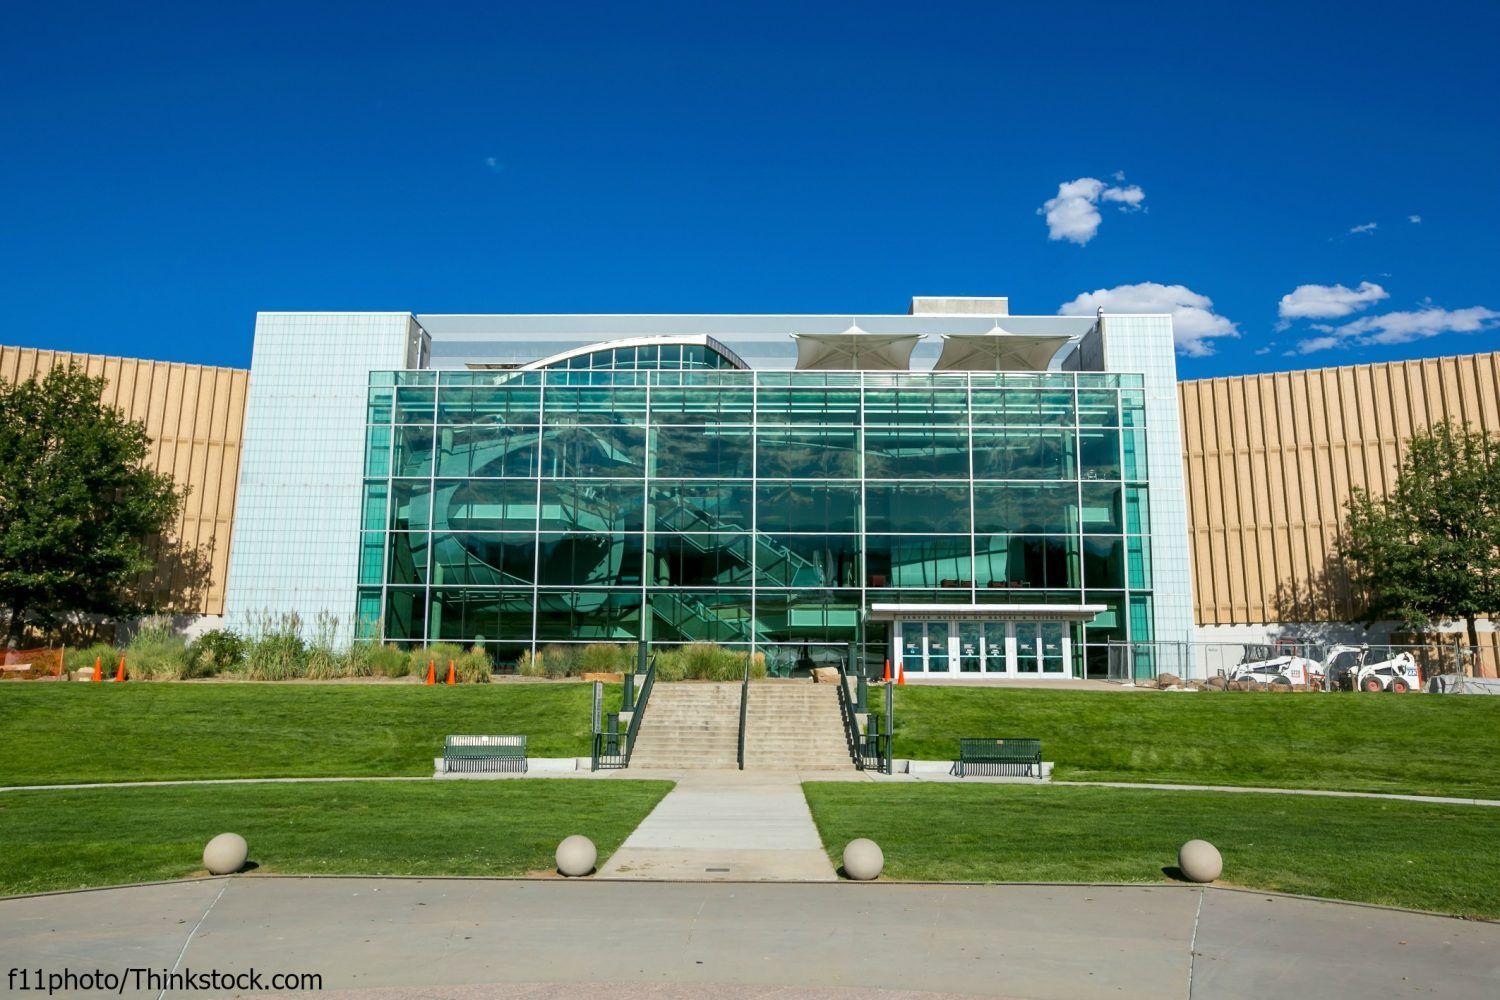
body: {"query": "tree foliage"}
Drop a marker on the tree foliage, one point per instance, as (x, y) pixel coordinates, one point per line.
(77, 505)
(1430, 550)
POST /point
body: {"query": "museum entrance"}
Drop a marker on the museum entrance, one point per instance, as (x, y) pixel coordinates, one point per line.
(983, 642)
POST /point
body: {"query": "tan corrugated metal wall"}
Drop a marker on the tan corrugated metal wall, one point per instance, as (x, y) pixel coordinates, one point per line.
(195, 416)
(1271, 460)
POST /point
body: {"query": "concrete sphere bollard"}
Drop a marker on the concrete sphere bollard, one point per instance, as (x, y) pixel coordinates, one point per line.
(225, 854)
(1200, 861)
(576, 856)
(863, 860)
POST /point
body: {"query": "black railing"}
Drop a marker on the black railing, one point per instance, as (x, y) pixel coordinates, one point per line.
(611, 748)
(870, 751)
(744, 702)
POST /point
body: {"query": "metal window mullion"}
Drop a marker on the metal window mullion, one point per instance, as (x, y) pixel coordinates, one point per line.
(536, 513)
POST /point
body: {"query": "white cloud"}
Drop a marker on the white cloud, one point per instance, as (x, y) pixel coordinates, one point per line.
(1368, 227)
(494, 164)
(1195, 325)
(1327, 301)
(1074, 214)
(1402, 327)
(1414, 219)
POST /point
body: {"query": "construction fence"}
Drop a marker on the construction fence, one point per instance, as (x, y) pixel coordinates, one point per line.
(1130, 661)
(31, 664)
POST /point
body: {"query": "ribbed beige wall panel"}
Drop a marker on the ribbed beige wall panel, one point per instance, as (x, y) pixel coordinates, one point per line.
(1271, 460)
(195, 417)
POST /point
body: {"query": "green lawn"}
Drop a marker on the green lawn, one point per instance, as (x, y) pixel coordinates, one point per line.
(1423, 744)
(68, 733)
(1398, 853)
(94, 837)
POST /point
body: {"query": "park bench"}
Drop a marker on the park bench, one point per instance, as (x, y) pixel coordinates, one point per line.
(992, 757)
(484, 753)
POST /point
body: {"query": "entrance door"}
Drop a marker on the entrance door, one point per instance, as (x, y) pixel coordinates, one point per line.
(937, 647)
(970, 659)
(1041, 649)
(995, 659)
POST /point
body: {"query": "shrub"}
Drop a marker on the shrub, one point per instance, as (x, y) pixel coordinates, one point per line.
(605, 658)
(379, 660)
(706, 661)
(216, 651)
(439, 653)
(474, 666)
(275, 650)
(530, 666)
(324, 661)
(83, 659)
(155, 653)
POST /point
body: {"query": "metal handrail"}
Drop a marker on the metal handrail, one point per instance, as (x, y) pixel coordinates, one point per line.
(852, 736)
(608, 750)
(640, 707)
(744, 701)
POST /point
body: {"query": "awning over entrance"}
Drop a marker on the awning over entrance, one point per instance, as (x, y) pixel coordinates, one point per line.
(985, 612)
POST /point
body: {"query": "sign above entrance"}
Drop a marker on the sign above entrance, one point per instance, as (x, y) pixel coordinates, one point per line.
(985, 612)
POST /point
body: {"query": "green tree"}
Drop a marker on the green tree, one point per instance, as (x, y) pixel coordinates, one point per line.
(1430, 550)
(77, 506)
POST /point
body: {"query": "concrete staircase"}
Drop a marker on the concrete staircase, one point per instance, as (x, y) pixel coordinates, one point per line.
(689, 725)
(789, 726)
(795, 726)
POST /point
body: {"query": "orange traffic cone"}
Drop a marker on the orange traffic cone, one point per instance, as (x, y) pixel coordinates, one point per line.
(98, 669)
(451, 679)
(887, 678)
(120, 673)
(901, 675)
(431, 672)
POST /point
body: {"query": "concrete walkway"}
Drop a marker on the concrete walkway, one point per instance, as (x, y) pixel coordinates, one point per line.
(726, 826)
(437, 937)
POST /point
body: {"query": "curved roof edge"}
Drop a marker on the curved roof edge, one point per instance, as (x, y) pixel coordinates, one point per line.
(694, 340)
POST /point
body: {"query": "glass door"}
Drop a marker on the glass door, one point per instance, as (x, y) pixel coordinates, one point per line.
(995, 659)
(937, 647)
(911, 647)
(1054, 648)
(1028, 661)
(969, 650)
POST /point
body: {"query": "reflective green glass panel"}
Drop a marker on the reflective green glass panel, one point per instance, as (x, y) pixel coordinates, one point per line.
(1026, 562)
(1109, 624)
(371, 557)
(594, 405)
(810, 507)
(916, 453)
(584, 559)
(1025, 507)
(821, 405)
(367, 614)
(928, 561)
(1098, 408)
(1101, 507)
(1138, 559)
(1099, 453)
(711, 452)
(378, 451)
(701, 405)
(485, 559)
(485, 505)
(1140, 618)
(416, 377)
(700, 560)
(1133, 408)
(807, 453)
(413, 451)
(1137, 510)
(582, 452)
(680, 615)
(414, 405)
(487, 451)
(588, 615)
(411, 501)
(463, 615)
(408, 557)
(1103, 562)
(916, 406)
(376, 495)
(807, 560)
(808, 616)
(701, 506)
(1024, 454)
(592, 505)
(381, 405)
(1135, 453)
(489, 405)
(917, 507)
(406, 613)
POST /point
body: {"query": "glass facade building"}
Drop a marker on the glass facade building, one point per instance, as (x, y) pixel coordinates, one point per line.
(617, 497)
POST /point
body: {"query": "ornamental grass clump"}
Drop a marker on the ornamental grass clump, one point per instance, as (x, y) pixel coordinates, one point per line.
(275, 650)
(215, 652)
(155, 653)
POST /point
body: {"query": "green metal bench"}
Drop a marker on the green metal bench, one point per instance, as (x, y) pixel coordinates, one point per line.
(472, 754)
(999, 757)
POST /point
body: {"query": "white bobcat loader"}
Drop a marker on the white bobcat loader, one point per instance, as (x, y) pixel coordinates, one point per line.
(1399, 674)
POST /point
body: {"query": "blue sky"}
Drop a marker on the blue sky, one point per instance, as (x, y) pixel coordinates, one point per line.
(168, 172)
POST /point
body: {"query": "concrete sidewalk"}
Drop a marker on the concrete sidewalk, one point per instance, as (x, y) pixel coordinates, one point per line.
(431, 937)
(726, 826)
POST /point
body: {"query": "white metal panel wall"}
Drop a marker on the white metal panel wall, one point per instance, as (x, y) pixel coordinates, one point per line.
(1144, 344)
(297, 511)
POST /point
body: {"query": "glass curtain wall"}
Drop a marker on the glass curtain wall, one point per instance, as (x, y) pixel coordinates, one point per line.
(604, 504)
